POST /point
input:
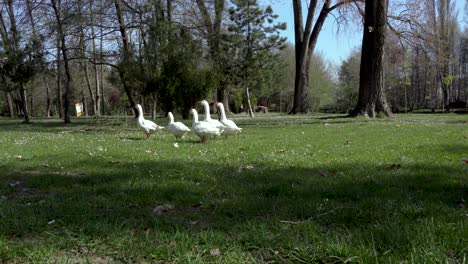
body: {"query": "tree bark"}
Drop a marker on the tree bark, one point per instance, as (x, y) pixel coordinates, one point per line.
(249, 105)
(154, 110)
(305, 42)
(15, 40)
(63, 47)
(213, 29)
(371, 76)
(84, 63)
(48, 99)
(59, 81)
(127, 55)
(97, 96)
(11, 109)
(83, 101)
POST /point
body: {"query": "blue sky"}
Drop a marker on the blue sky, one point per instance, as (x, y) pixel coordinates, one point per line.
(334, 46)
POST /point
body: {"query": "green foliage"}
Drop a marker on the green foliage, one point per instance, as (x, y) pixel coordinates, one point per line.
(254, 43)
(321, 83)
(448, 79)
(183, 80)
(21, 64)
(347, 92)
(308, 189)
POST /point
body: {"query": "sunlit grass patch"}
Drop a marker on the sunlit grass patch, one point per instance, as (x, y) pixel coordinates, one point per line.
(310, 188)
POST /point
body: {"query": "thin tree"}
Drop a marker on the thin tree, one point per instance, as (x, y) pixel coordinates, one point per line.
(305, 37)
(16, 59)
(371, 98)
(213, 35)
(66, 62)
(127, 55)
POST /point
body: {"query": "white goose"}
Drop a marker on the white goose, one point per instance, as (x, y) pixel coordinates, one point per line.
(230, 128)
(208, 119)
(177, 128)
(202, 129)
(146, 125)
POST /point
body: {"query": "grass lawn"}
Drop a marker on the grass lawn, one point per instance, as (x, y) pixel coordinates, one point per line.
(289, 189)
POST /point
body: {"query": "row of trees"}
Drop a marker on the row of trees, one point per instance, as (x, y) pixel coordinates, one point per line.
(169, 54)
(425, 68)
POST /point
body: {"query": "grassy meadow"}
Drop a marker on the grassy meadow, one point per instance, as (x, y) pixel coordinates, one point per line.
(289, 189)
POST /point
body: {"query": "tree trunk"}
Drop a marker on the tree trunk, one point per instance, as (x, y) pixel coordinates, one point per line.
(97, 97)
(48, 99)
(127, 55)
(305, 42)
(11, 109)
(63, 47)
(213, 29)
(83, 101)
(24, 103)
(83, 62)
(15, 40)
(101, 68)
(371, 76)
(249, 105)
(59, 81)
(154, 112)
(222, 96)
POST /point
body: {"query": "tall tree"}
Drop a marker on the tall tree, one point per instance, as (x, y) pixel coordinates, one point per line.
(63, 47)
(127, 56)
(305, 37)
(20, 63)
(371, 98)
(213, 36)
(256, 38)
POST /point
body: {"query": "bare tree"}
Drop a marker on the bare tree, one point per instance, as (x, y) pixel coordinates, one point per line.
(305, 39)
(12, 43)
(63, 47)
(127, 56)
(213, 35)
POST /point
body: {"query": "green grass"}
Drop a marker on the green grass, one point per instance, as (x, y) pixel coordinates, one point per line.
(289, 189)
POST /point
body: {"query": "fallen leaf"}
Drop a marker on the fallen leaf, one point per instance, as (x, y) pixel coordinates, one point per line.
(197, 207)
(215, 252)
(393, 166)
(13, 184)
(248, 167)
(84, 250)
(164, 208)
(465, 160)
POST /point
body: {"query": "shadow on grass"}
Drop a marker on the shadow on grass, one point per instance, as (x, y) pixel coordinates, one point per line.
(42, 124)
(388, 201)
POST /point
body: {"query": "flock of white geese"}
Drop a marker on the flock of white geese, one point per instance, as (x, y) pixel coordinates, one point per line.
(204, 129)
